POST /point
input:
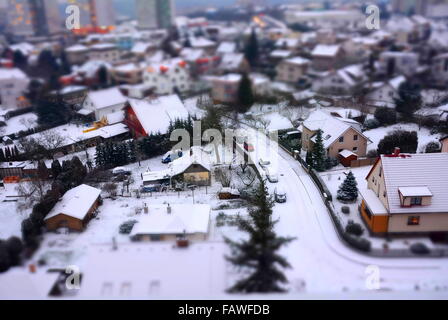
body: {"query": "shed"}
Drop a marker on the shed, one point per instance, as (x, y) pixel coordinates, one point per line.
(346, 157)
(75, 209)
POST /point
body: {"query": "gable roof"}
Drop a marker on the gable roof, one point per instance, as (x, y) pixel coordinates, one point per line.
(106, 98)
(428, 170)
(76, 202)
(332, 127)
(183, 218)
(325, 50)
(155, 115)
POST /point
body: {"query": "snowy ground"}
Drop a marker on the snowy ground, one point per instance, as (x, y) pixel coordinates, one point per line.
(23, 122)
(10, 217)
(424, 135)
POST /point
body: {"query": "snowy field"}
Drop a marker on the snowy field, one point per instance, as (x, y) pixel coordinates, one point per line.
(424, 135)
(23, 122)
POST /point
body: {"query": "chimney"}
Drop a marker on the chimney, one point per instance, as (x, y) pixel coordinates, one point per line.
(168, 209)
(397, 151)
(32, 268)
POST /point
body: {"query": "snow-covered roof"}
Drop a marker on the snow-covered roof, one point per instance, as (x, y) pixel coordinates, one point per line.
(226, 47)
(346, 153)
(106, 98)
(400, 24)
(24, 47)
(91, 67)
(373, 202)
(332, 127)
(141, 47)
(191, 54)
(70, 89)
(201, 42)
(230, 77)
(154, 271)
(418, 171)
(77, 48)
(298, 61)
(22, 284)
(166, 65)
(288, 42)
(184, 218)
(281, 54)
(415, 191)
(325, 50)
(231, 61)
(103, 46)
(397, 81)
(76, 202)
(155, 115)
(12, 73)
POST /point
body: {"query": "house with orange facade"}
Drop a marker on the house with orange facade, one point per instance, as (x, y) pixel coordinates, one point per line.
(407, 194)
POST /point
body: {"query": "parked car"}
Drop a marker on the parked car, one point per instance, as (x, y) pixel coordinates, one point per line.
(272, 177)
(264, 163)
(151, 188)
(171, 156)
(280, 195)
(120, 170)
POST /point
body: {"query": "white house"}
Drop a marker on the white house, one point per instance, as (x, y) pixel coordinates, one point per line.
(343, 81)
(293, 69)
(392, 62)
(104, 51)
(104, 102)
(383, 94)
(168, 76)
(167, 222)
(13, 84)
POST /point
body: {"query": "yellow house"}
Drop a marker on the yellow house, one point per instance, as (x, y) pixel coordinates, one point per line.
(407, 193)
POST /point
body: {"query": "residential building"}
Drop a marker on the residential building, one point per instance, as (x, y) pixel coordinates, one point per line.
(74, 210)
(155, 14)
(338, 134)
(168, 77)
(439, 70)
(326, 18)
(144, 117)
(383, 94)
(292, 70)
(129, 73)
(171, 222)
(406, 194)
(105, 52)
(326, 57)
(234, 62)
(405, 63)
(13, 84)
(72, 95)
(444, 142)
(345, 81)
(225, 88)
(77, 54)
(104, 102)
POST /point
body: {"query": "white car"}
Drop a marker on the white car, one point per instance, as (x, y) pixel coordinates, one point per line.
(272, 176)
(280, 195)
(264, 163)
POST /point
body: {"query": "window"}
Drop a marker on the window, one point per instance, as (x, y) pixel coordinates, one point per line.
(384, 194)
(355, 137)
(340, 150)
(416, 201)
(355, 149)
(341, 139)
(413, 221)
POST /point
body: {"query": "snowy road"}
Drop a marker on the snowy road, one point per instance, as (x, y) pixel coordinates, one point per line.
(319, 259)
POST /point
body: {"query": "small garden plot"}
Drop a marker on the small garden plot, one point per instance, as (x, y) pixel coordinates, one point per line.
(348, 212)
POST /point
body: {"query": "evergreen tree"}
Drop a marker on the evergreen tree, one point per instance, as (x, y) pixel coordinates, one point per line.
(99, 156)
(319, 153)
(132, 152)
(103, 77)
(56, 168)
(409, 99)
(245, 94)
(259, 253)
(19, 59)
(348, 191)
(42, 170)
(51, 113)
(251, 50)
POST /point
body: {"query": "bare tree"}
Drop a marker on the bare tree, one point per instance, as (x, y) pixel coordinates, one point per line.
(51, 140)
(294, 114)
(247, 177)
(31, 192)
(111, 189)
(224, 175)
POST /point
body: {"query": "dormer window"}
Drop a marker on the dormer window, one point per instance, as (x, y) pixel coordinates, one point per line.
(415, 196)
